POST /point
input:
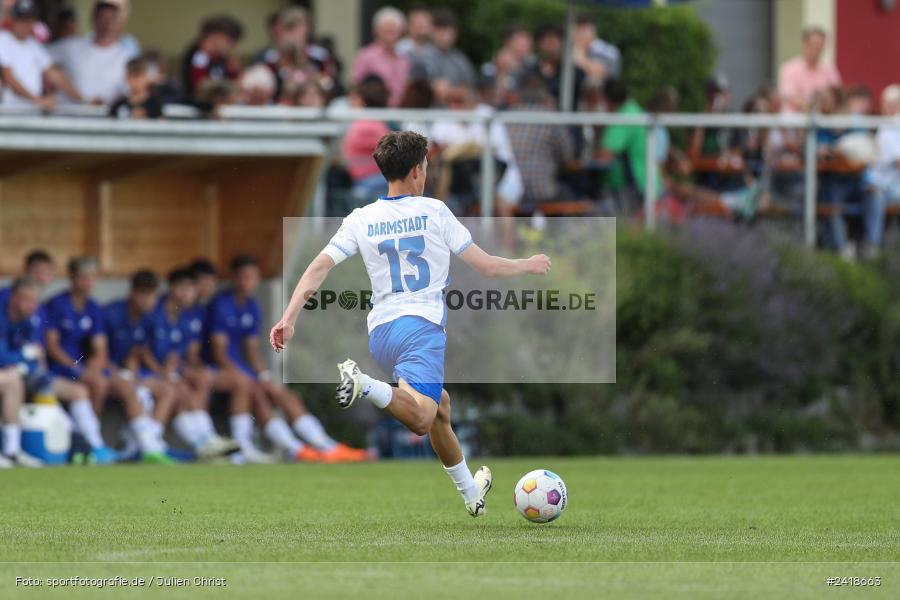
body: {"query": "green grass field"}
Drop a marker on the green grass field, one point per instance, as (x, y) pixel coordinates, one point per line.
(635, 527)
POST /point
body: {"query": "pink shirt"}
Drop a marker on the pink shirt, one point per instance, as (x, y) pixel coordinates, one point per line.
(391, 67)
(796, 78)
(359, 144)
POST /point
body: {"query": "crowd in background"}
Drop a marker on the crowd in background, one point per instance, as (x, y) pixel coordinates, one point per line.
(413, 62)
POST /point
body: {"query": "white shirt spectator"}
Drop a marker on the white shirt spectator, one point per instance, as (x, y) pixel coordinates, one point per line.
(27, 60)
(96, 71)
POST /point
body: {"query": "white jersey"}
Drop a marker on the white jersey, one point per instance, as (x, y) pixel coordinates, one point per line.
(405, 242)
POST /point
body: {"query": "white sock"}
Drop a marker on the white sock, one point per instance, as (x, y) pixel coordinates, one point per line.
(377, 392)
(464, 481)
(311, 431)
(242, 430)
(146, 397)
(204, 422)
(147, 432)
(12, 439)
(186, 428)
(129, 440)
(88, 425)
(281, 435)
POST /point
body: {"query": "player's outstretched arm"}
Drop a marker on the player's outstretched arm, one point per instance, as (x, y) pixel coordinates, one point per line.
(497, 266)
(312, 278)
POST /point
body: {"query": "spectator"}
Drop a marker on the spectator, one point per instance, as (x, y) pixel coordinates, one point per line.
(164, 85)
(442, 63)
(884, 177)
(66, 25)
(258, 86)
(800, 78)
(362, 138)
(25, 65)
(597, 58)
(418, 94)
(96, 62)
(541, 150)
(39, 30)
(211, 58)
(452, 137)
(310, 95)
(625, 144)
(141, 102)
(292, 59)
(549, 41)
(418, 38)
(380, 58)
(715, 159)
(507, 66)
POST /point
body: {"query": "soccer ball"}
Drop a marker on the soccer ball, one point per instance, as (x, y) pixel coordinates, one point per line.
(541, 496)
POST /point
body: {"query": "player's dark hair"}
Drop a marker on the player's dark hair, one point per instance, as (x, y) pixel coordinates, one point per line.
(243, 260)
(399, 152)
(21, 283)
(144, 280)
(444, 19)
(36, 257)
(178, 275)
(80, 264)
(202, 266)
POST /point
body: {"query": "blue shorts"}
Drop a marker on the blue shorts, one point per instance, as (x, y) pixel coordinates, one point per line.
(412, 348)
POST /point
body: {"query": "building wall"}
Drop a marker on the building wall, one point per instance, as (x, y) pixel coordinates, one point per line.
(868, 48)
(791, 16)
(340, 19)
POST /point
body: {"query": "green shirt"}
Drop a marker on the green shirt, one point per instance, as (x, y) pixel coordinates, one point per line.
(627, 142)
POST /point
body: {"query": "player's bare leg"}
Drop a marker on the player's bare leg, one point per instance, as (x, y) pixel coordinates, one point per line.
(446, 446)
(77, 396)
(309, 428)
(12, 396)
(147, 431)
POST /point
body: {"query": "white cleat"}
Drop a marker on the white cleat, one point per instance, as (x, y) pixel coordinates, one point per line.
(217, 446)
(253, 456)
(350, 387)
(23, 459)
(484, 480)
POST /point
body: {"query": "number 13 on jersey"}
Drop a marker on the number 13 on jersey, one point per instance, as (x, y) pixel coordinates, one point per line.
(414, 247)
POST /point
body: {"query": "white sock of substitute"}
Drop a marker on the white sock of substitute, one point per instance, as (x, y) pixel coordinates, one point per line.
(377, 392)
(281, 435)
(186, 428)
(242, 430)
(463, 480)
(147, 432)
(12, 439)
(204, 422)
(146, 397)
(311, 431)
(88, 425)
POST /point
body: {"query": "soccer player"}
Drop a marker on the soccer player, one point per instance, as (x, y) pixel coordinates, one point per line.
(406, 241)
(38, 268)
(174, 354)
(233, 321)
(77, 349)
(125, 322)
(21, 351)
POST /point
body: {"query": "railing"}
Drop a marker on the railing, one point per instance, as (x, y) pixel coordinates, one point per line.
(252, 126)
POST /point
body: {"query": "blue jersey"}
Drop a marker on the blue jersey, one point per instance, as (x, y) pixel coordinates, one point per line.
(76, 328)
(238, 322)
(168, 336)
(124, 333)
(14, 335)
